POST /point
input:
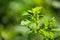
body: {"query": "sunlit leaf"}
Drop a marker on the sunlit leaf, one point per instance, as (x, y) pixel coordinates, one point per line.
(36, 10)
(25, 22)
(52, 20)
(25, 13)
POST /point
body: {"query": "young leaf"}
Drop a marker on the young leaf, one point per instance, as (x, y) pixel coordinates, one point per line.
(52, 20)
(35, 10)
(25, 13)
(25, 22)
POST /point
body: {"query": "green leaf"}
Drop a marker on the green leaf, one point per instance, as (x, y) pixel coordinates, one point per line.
(21, 29)
(25, 22)
(51, 35)
(35, 10)
(57, 29)
(33, 26)
(25, 13)
(52, 20)
(30, 11)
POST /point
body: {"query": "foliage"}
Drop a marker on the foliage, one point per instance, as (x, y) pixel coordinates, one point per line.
(17, 22)
(33, 23)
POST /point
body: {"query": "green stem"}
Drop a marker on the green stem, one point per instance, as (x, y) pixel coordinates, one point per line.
(38, 21)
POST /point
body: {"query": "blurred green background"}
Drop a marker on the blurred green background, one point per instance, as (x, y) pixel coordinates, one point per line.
(10, 18)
